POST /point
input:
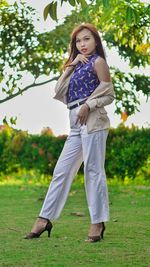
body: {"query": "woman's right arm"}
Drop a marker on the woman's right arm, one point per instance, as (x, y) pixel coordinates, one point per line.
(68, 70)
(71, 66)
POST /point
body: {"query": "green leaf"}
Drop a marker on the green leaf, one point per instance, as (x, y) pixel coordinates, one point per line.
(72, 2)
(53, 10)
(46, 11)
(129, 15)
(62, 1)
(147, 9)
(13, 120)
(83, 3)
(106, 3)
(3, 90)
(135, 16)
(5, 121)
(132, 16)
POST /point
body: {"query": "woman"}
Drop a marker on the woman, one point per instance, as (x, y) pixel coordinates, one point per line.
(86, 87)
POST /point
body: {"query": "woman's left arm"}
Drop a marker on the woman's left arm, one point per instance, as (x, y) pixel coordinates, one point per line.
(102, 70)
(105, 92)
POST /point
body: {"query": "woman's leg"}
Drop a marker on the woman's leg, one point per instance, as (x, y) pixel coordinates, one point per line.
(64, 172)
(66, 168)
(94, 146)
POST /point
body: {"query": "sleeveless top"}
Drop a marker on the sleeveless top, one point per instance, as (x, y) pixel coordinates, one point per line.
(83, 81)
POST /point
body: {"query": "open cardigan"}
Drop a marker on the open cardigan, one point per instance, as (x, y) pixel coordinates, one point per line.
(103, 95)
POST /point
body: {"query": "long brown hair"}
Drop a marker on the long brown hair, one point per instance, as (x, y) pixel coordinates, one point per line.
(74, 51)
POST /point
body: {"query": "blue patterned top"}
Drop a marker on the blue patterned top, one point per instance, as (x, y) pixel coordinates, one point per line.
(83, 81)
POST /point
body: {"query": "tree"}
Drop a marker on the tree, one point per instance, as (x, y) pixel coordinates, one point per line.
(21, 52)
(51, 8)
(128, 33)
(25, 51)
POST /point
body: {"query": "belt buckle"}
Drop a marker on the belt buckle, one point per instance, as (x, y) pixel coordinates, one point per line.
(81, 102)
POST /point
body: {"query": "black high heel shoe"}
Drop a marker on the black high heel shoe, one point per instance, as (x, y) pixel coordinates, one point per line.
(47, 228)
(102, 232)
(98, 238)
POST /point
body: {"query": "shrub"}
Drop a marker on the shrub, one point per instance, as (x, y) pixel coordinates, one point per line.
(128, 151)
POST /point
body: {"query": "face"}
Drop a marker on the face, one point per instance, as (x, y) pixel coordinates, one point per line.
(85, 42)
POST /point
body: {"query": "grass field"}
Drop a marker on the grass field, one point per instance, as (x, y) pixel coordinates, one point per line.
(126, 241)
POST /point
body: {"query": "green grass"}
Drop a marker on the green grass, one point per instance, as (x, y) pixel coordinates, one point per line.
(126, 240)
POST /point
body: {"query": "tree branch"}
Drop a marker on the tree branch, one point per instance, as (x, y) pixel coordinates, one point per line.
(26, 88)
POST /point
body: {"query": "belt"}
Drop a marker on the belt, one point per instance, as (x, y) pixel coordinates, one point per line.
(77, 104)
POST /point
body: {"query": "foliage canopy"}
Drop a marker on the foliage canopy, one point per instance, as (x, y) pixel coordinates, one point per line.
(24, 51)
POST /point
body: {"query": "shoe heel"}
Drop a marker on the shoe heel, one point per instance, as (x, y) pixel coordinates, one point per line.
(49, 228)
(49, 233)
(102, 233)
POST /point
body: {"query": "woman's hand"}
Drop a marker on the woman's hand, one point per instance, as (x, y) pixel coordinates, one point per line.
(83, 114)
(80, 58)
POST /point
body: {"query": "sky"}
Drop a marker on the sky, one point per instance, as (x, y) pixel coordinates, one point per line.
(37, 109)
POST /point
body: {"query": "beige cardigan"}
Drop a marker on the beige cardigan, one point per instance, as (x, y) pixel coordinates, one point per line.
(103, 95)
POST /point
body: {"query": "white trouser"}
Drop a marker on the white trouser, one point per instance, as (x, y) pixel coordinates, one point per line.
(80, 146)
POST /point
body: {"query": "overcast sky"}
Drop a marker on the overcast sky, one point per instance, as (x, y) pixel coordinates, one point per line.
(37, 108)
